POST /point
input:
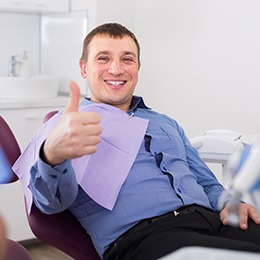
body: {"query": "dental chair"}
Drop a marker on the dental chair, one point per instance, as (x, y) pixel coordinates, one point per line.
(11, 150)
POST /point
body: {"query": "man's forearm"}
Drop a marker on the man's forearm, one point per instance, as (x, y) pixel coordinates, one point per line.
(53, 188)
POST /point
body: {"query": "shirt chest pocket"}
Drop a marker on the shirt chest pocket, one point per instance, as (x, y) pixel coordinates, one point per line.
(166, 140)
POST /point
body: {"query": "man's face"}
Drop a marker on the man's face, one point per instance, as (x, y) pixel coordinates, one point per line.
(111, 70)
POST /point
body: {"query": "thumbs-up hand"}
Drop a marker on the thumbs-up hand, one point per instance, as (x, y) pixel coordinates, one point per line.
(76, 134)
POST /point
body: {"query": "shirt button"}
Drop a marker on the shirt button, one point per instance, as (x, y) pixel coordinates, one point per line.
(65, 171)
(179, 190)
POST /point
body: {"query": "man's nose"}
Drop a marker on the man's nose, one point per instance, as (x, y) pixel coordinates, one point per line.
(116, 68)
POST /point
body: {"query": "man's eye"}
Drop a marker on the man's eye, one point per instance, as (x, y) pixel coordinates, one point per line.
(102, 58)
(128, 59)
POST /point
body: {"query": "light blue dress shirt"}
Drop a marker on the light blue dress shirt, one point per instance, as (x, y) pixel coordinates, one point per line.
(167, 174)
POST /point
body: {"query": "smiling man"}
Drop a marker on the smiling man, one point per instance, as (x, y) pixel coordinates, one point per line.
(169, 198)
(111, 68)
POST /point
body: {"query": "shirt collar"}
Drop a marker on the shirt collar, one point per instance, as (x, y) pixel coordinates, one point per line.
(137, 102)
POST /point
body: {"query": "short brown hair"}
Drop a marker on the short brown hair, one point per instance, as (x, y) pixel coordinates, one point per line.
(114, 30)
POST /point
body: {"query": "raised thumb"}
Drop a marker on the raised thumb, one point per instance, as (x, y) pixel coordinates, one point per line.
(73, 104)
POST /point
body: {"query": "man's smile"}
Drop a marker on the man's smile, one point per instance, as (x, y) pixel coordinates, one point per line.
(115, 82)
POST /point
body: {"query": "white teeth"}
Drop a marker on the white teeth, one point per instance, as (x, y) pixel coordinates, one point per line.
(115, 83)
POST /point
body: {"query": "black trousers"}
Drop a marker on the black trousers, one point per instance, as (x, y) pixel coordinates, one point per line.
(199, 228)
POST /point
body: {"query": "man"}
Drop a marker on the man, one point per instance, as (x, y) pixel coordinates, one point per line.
(169, 198)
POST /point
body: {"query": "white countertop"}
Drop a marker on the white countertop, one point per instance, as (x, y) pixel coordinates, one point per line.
(28, 103)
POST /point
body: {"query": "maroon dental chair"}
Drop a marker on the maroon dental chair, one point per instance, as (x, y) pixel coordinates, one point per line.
(61, 230)
(11, 151)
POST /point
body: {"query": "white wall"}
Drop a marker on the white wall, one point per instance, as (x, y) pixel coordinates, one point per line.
(19, 32)
(200, 58)
(201, 62)
(116, 11)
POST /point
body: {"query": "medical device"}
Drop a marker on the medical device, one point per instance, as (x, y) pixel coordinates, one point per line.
(240, 158)
(243, 167)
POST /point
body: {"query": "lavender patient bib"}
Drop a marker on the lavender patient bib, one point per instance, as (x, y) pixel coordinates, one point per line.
(103, 173)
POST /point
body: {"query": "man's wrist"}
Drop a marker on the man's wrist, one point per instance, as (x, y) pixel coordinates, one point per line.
(44, 158)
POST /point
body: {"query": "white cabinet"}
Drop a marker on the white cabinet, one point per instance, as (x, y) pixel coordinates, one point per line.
(25, 121)
(35, 5)
(24, 118)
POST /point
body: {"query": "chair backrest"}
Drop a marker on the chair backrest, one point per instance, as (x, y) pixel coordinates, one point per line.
(62, 230)
(10, 146)
(12, 151)
(15, 250)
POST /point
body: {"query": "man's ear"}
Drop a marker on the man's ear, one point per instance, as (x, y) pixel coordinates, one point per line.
(83, 69)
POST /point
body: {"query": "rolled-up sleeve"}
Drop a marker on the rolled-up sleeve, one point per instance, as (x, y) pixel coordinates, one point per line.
(54, 189)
